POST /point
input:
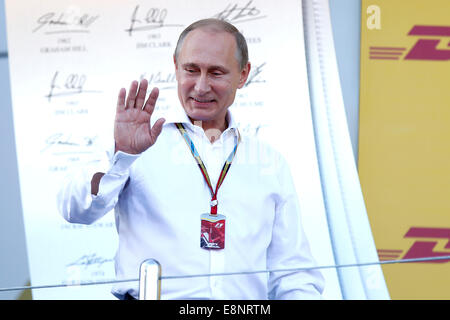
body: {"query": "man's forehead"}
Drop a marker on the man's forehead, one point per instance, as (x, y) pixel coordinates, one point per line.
(210, 32)
(204, 40)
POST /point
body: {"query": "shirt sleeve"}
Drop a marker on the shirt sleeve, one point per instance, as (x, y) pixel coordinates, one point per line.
(75, 201)
(289, 248)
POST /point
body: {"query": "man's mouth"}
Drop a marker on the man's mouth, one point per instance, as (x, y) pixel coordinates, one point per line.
(202, 100)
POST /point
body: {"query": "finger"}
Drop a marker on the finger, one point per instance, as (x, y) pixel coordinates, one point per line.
(121, 99)
(142, 92)
(131, 95)
(151, 101)
(157, 128)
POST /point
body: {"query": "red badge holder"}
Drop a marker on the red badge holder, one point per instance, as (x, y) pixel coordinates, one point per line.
(212, 231)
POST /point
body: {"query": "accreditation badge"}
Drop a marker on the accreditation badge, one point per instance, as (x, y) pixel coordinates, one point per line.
(212, 235)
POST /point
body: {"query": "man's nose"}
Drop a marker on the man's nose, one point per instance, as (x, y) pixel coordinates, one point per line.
(202, 84)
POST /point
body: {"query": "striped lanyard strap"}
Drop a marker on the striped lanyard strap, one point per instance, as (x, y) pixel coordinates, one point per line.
(201, 165)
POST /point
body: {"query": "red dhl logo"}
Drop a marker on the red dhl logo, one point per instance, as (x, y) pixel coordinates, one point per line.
(421, 248)
(423, 49)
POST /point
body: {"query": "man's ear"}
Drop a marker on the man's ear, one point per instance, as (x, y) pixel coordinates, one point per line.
(244, 75)
(176, 67)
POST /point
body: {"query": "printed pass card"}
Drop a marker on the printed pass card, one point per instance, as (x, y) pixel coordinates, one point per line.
(212, 231)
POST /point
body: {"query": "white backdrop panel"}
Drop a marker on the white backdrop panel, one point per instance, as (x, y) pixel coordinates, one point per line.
(68, 59)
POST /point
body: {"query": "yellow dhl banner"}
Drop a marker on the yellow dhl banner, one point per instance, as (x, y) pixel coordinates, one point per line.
(404, 140)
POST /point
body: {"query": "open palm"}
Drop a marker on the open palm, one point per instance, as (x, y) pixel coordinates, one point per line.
(132, 130)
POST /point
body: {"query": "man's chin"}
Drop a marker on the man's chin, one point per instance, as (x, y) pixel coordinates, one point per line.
(204, 115)
(199, 115)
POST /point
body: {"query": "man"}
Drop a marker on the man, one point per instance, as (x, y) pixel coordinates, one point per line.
(176, 201)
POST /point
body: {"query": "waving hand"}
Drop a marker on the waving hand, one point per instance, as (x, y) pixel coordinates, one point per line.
(132, 129)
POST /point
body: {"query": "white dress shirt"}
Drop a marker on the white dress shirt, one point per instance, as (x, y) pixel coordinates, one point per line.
(159, 195)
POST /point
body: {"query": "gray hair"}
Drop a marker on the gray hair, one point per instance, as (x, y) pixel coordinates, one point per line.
(218, 25)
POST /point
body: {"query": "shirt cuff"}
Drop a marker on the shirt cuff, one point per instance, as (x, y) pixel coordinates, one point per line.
(121, 162)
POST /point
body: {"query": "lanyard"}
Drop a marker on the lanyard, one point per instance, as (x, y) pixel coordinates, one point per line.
(202, 167)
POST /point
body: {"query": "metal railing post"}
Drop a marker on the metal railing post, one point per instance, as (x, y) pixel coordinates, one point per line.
(150, 280)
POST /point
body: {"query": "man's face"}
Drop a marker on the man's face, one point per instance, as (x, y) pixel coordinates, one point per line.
(208, 74)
